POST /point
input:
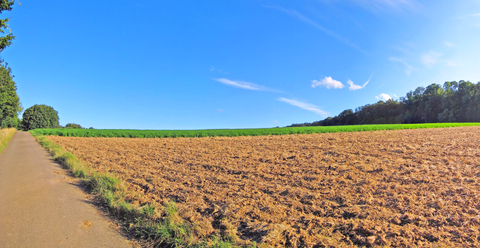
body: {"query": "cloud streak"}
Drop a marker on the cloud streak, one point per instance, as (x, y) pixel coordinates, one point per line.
(408, 67)
(433, 58)
(303, 105)
(357, 87)
(327, 82)
(395, 5)
(243, 85)
(212, 69)
(316, 25)
(449, 44)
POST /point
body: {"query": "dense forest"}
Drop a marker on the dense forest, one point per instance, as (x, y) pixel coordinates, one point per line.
(454, 102)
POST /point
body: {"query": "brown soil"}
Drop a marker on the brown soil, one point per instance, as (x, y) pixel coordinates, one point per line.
(396, 188)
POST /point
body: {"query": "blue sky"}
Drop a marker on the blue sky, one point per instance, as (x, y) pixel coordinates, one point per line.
(173, 64)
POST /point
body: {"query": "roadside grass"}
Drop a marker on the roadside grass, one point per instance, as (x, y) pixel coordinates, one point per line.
(236, 132)
(5, 137)
(159, 226)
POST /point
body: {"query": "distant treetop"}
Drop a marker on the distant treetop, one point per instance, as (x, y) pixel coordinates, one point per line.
(73, 126)
(40, 116)
(5, 41)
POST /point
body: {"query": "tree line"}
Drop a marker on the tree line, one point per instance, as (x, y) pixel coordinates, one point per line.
(452, 102)
(10, 105)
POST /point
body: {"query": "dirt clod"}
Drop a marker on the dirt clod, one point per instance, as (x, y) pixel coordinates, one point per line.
(87, 224)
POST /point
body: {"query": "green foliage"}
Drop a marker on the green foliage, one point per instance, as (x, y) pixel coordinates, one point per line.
(5, 41)
(454, 102)
(6, 5)
(40, 116)
(9, 101)
(233, 132)
(73, 126)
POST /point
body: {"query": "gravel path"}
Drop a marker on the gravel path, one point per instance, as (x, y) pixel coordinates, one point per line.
(40, 206)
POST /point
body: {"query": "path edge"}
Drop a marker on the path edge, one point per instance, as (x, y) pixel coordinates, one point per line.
(4, 141)
(152, 225)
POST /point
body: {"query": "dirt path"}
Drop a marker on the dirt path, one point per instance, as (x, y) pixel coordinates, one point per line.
(41, 207)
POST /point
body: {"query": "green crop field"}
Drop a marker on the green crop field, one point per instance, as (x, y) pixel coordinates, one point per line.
(234, 132)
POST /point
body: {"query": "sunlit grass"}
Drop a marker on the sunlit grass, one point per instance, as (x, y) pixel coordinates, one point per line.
(5, 137)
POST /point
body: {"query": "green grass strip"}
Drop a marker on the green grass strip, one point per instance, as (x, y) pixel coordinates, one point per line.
(5, 137)
(168, 230)
(236, 132)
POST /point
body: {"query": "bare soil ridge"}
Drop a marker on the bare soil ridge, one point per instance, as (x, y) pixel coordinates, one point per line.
(40, 206)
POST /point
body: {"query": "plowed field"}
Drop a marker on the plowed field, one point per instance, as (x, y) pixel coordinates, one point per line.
(396, 188)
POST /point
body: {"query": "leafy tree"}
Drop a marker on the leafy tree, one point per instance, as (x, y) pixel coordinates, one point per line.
(73, 126)
(9, 102)
(454, 102)
(40, 116)
(5, 41)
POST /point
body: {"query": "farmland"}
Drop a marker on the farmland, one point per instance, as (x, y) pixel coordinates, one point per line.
(396, 188)
(234, 132)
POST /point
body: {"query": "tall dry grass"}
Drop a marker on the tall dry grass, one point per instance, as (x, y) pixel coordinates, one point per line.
(5, 137)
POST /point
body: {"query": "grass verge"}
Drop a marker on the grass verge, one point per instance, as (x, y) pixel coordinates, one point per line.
(157, 226)
(118, 133)
(5, 137)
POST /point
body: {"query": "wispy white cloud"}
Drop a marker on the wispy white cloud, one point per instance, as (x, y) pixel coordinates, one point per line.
(316, 25)
(220, 110)
(431, 58)
(239, 84)
(471, 20)
(303, 105)
(390, 5)
(402, 49)
(327, 82)
(406, 48)
(449, 44)
(449, 63)
(384, 97)
(219, 70)
(353, 86)
(243, 85)
(408, 67)
(357, 87)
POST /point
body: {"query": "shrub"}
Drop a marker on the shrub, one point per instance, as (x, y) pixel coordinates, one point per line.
(73, 126)
(40, 116)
